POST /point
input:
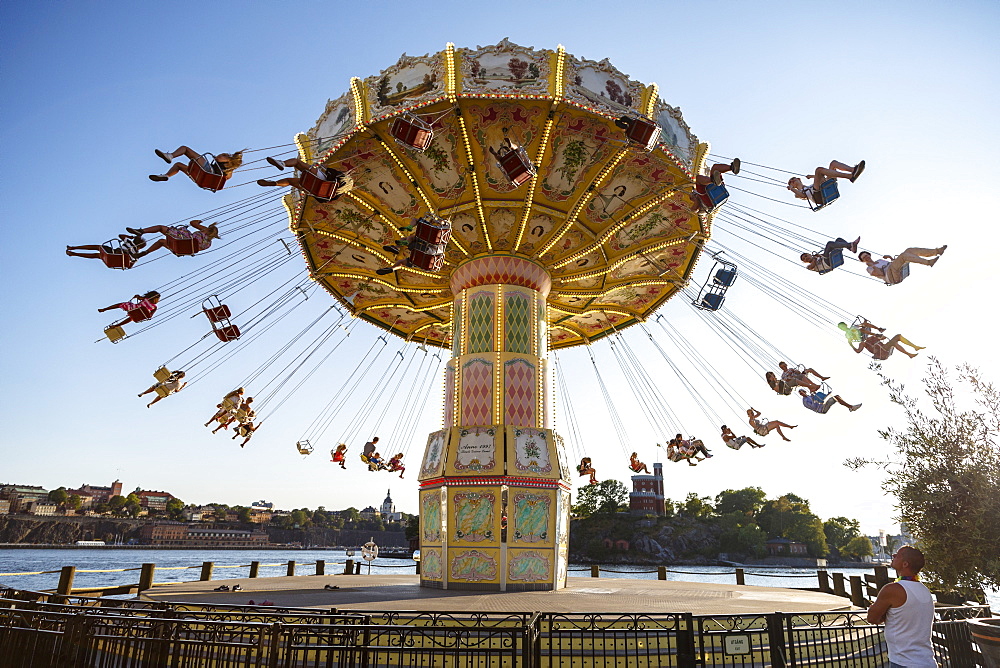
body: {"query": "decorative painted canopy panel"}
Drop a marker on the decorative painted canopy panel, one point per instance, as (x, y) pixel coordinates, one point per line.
(611, 222)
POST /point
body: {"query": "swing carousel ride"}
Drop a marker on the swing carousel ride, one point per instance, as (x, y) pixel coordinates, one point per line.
(498, 203)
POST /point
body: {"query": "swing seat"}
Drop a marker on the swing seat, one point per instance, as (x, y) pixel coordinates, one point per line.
(206, 173)
(218, 313)
(433, 230)
(725, 277)
(141, 313)
(162, 392)
(411, 131)
(323, 188)
(716, 196)
(827, 194)
(515, 165)
(227, 333)
(712, 301)
(162, 374)
(784, 388)
(836, 260)
(642, 132)
(114, 256)
(426, 256)
(181, 246)
(903, 273)
(304, 447)
(114, 334)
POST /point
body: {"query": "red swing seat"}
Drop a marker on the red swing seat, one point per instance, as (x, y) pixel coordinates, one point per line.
(514, 163)
(412, 131)
(321, 187)
(426, 256)
(114, 256)
(140, 314)
(219, 314)
(642, 132)
(433, 230)
(181, 246)
(206, 173)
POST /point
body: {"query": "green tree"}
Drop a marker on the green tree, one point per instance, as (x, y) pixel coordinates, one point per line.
(608, 496)
(58, 496)
(351, 514)
(175, 509)
(74, 502)
(412, 526)
(746, 501)
(789, 517)
(132, 505)
(242, 514)
(741, 535)
(299, 518)
(116, 504)
(839, 531)
(696, 506)
(945, 475)
(102, 508)
(857, 548)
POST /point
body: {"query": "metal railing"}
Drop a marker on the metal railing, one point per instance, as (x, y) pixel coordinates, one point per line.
(111, 633)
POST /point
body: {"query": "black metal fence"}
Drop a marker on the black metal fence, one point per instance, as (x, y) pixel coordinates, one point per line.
(107, 633)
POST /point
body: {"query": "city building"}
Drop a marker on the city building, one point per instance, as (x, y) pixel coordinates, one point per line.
(99, 494)
(153, 500)
(21, 497)
(388, 509)
(783, 547)
(4, 506)
(647, 496)
(369, 513)
(188, 535)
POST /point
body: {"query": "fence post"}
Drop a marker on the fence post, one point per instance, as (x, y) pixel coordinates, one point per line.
(320, 567)
(661, 572)
(881, 576)
(291, 568)
(254, 568)
(349, 567)
(740, 578)
(776, 639)
(838, 585)
(146, 576)
(858, 592)
(275, 649)
(824, 580)
(595, 571)
(206, 570)
(357, 568)
(65, 587)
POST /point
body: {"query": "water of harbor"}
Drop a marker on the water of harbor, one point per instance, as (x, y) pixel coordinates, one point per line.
(235, 564)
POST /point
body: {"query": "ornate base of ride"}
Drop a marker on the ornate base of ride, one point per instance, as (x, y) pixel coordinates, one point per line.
(494, 484)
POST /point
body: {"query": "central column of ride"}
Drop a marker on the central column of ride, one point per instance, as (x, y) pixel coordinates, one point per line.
(494, 483)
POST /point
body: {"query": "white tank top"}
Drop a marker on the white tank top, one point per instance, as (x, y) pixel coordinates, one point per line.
(908, 628)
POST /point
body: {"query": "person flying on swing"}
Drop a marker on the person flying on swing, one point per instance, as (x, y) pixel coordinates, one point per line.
(822, 261)
(130, 244)
(147, 301)
(893, 270)
(396, 464)
(874, 342)
(736, 442)
(203, 235)
(344, 183)
(339, 455)
(836, 170)
(586, 468)
(171, 385)
(821, 402)
(794, 377)
(636, 465)
(700, 197)
(224, 163)
(763, 428)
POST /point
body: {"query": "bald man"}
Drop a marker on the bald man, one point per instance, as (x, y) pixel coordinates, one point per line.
(906, 607)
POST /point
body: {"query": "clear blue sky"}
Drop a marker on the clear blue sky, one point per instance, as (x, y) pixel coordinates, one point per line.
(90, 89)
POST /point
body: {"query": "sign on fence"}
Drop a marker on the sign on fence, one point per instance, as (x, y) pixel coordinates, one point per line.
(736, 643)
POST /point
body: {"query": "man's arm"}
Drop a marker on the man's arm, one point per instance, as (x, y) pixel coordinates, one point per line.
(890, 596)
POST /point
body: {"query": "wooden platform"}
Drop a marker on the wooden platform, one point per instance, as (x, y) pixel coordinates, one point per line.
(403, 592)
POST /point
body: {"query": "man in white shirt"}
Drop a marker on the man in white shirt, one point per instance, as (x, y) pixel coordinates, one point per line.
(906, 607)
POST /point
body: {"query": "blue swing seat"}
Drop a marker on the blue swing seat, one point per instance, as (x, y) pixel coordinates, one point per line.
(836, 260)
(725, 277)
(828, 193)
(713, 301)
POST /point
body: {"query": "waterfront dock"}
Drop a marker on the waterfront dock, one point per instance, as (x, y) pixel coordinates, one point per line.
(582, 595)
